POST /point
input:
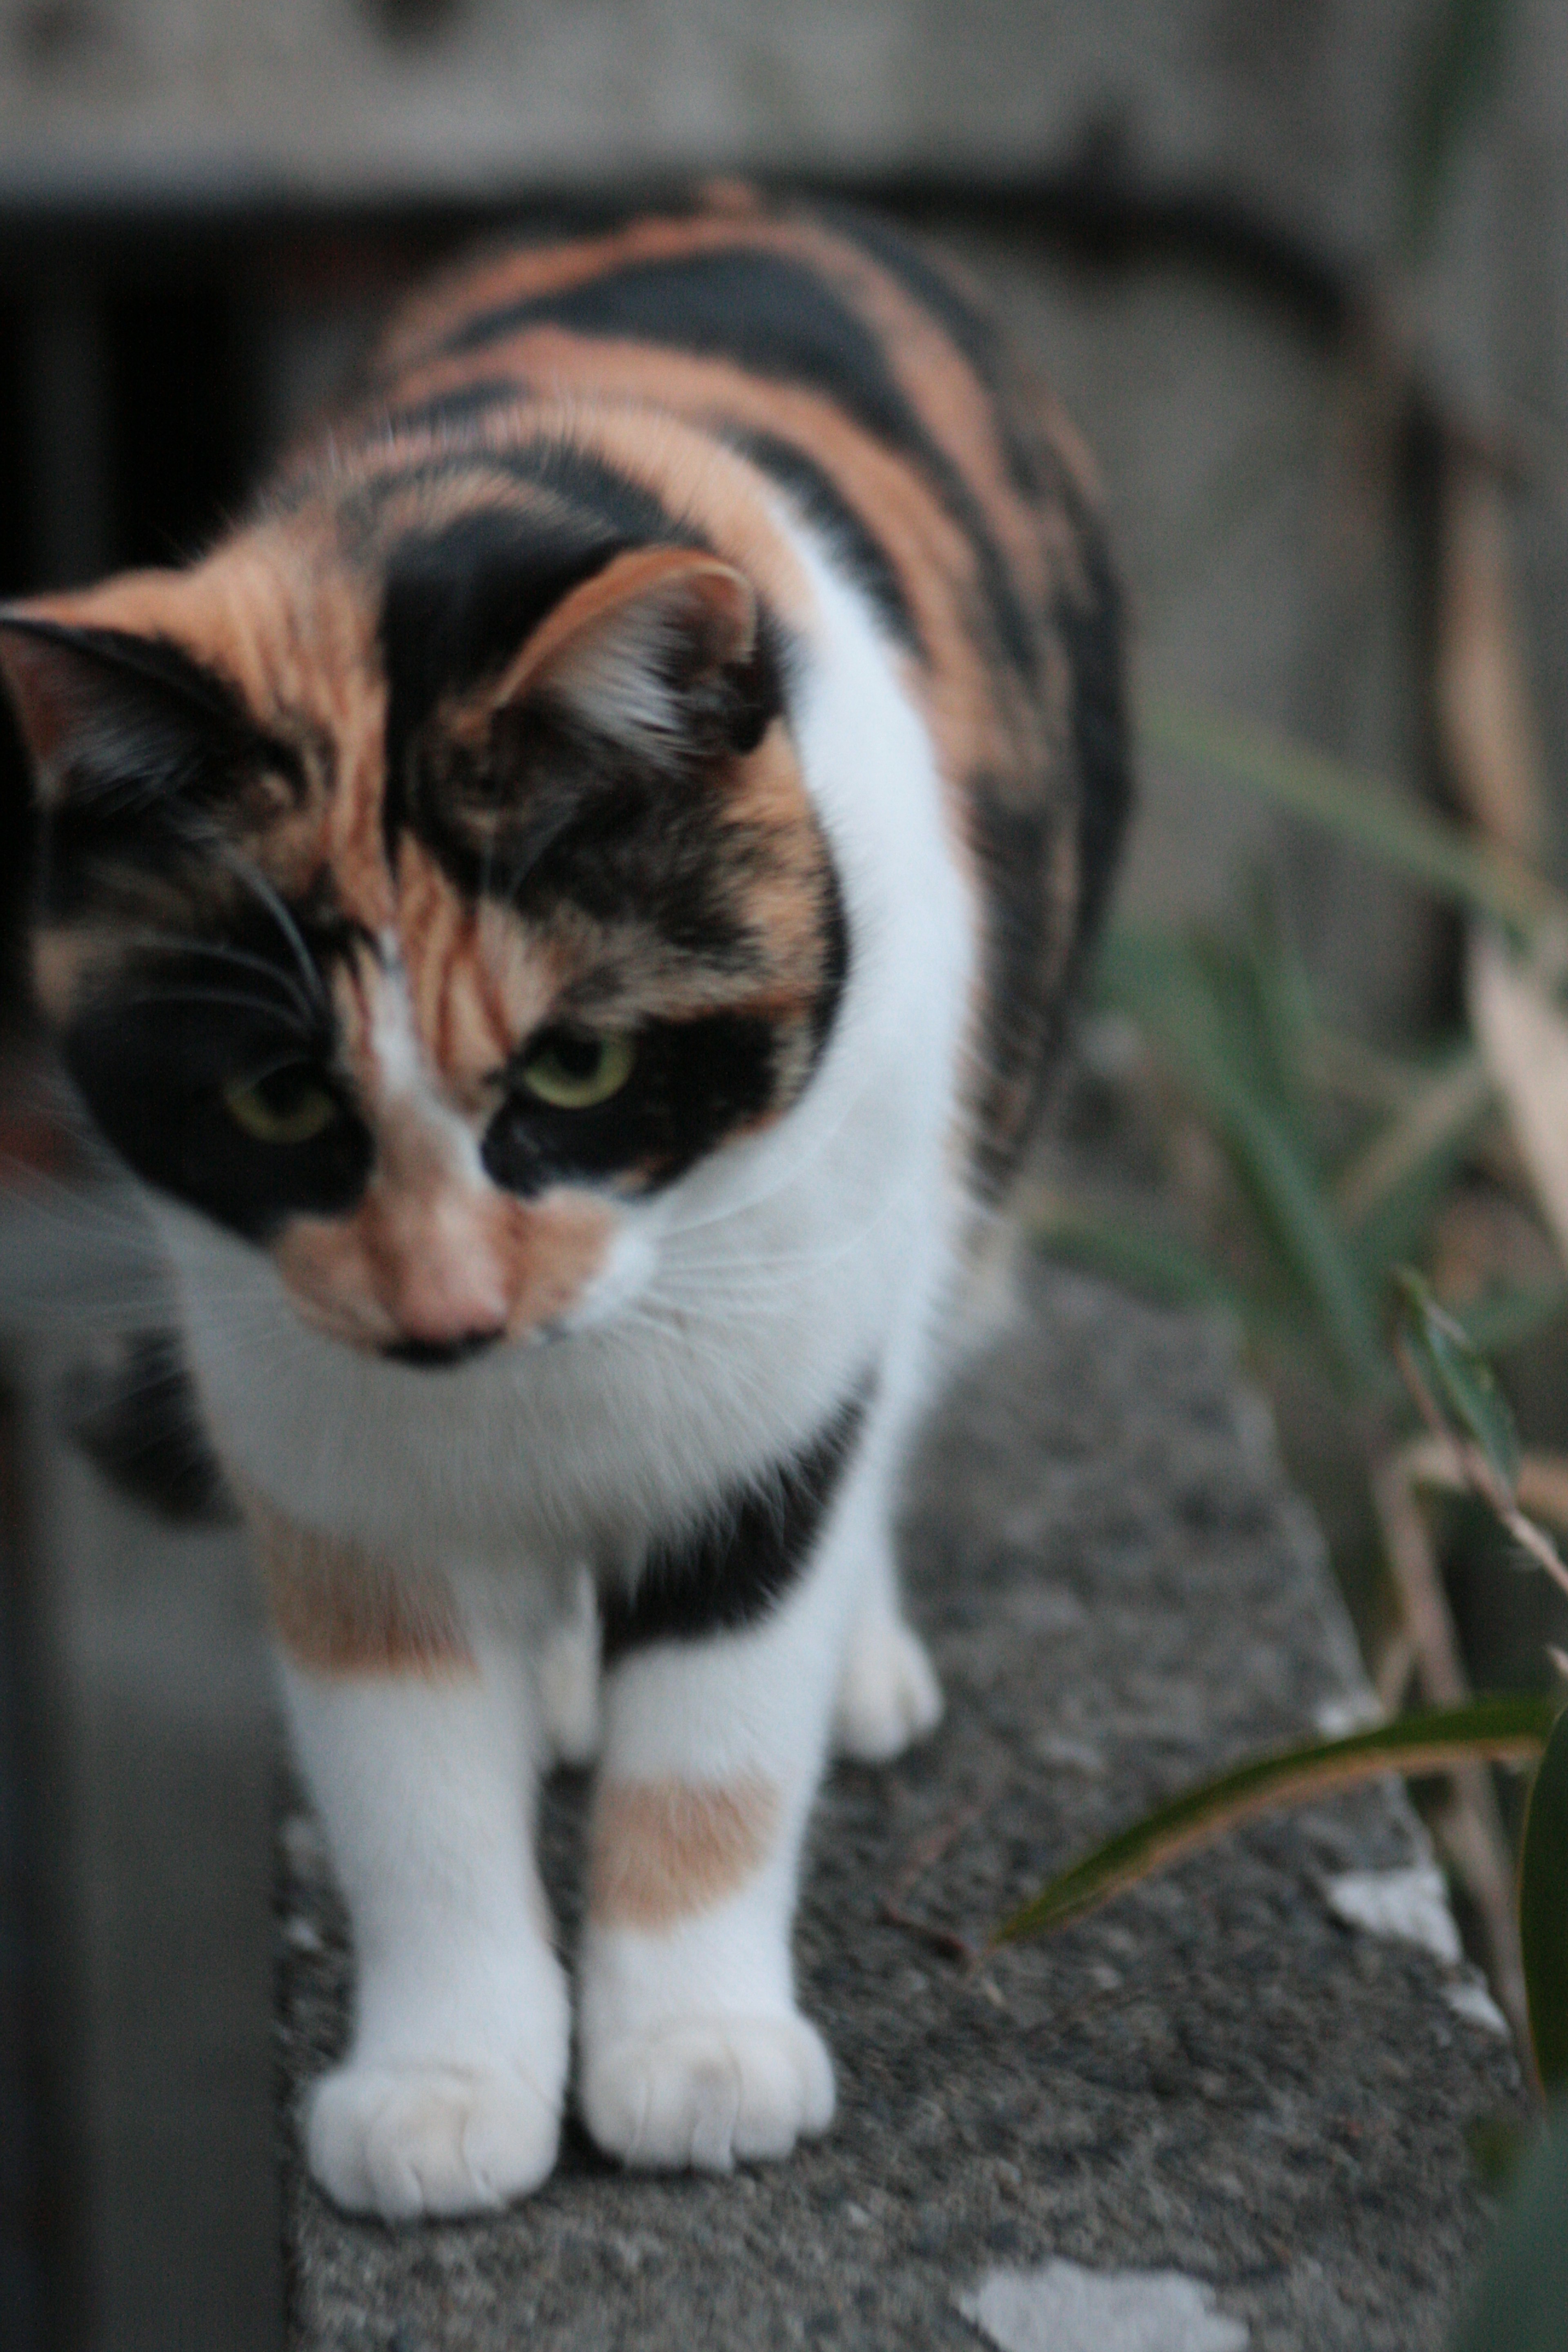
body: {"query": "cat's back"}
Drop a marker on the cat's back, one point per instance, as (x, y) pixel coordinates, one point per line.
(874, 392)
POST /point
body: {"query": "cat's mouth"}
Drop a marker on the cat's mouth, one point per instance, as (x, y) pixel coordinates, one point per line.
(429, 1354)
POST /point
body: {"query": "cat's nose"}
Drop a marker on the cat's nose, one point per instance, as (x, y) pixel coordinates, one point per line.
(432, 1353)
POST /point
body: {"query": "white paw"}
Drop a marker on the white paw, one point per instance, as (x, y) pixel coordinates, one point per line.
(403, 2140)
(569, 1679)
(705, 2092)
(889, 1695)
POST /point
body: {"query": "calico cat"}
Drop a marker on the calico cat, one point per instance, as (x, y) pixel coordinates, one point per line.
(566, 909)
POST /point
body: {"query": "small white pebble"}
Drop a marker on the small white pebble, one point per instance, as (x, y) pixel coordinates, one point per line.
(1348, 1711)
(857, 2217)
(1064, 2308)
(1408, 1906)
(1470, 1999)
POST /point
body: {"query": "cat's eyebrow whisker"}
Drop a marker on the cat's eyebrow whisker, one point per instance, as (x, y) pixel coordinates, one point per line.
(234, 998)
(257, 882)
(221, 951)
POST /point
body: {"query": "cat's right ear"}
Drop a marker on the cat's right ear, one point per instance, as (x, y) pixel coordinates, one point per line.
(101, 709)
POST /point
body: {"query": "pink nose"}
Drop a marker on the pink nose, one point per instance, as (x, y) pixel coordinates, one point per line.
(438, 1276)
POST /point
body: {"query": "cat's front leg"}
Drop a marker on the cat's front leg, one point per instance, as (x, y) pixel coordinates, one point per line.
(717, 1707)
(419, 1746)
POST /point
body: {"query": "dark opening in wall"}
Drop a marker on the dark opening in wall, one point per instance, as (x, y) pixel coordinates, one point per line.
(179, 422)
(14, 823)
(127, 436)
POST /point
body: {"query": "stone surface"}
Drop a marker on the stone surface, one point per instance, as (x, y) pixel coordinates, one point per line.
(1214, 2076)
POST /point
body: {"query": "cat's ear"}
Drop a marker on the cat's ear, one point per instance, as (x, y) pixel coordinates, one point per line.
(647, 650)
(98, 706)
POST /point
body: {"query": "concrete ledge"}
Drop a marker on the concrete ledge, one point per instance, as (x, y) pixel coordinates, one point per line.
(1216, 2076)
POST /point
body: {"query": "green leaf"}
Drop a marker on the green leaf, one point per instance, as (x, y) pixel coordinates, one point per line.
(1544, 1910)
(1361, 811)
(1498, 1728)
(1460, 1378)
(1522, 2297)
(1170, 993)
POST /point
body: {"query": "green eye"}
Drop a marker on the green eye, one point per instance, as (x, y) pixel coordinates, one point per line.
(285, 1105)
(575, 1073)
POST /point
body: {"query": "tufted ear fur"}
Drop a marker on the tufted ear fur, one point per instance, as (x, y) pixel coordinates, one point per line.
(633, 649)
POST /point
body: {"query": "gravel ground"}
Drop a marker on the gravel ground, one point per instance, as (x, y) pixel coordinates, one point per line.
(1212, 2076)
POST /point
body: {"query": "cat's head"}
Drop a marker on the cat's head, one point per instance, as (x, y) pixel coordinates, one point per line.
(412, 909)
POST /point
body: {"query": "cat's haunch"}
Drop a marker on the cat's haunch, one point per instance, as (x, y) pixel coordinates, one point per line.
(566, 909)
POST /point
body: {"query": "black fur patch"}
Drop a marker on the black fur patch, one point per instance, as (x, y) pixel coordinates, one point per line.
(459, 603)
(132, 1409)
(153, 1053)
(1102, 735)
(733, 1571)
(968, 325)
(1013, 848)
(822, 503)
(694, 1083)
(776, 315)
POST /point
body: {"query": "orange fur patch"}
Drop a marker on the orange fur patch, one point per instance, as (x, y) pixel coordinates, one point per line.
(664, 1849)
(339, 1611)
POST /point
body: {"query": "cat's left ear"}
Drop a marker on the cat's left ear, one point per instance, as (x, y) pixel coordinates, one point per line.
(661, 645)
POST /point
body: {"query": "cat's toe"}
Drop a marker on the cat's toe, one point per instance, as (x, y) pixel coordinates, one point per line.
(889, 1695)
(708, 2093)
(403, 2141)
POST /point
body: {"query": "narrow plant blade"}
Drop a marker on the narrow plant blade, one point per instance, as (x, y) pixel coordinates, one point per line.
(1366, 813)
(1458, 1378)
(1505, 1319)
(1501, 1729)
(1151, 1262)
(1451, 90)
(1543, 1911)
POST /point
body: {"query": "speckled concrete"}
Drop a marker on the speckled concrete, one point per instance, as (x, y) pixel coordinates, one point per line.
(1214, 2076)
